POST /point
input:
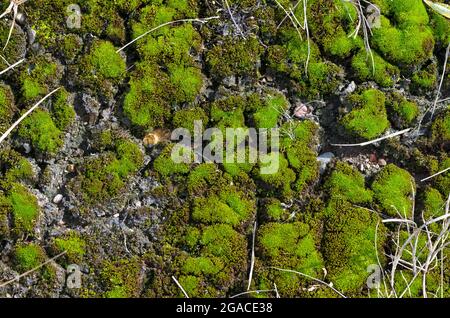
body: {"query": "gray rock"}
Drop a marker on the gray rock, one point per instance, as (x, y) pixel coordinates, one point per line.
(324, 160)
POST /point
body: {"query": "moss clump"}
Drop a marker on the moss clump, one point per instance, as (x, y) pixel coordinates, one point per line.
(290, 58)
(278, 182)
(7, 107)
(146, 104)
(433, 207)
(234, 57)
(368, 118)
(41, 76)
(404, 111)
(13, 168)
(17, 45)
(228, 207)
(442, 182)
(288, 246)
(121, 278)
(382, 72)
(102, 177)
(186, 118)
(24, 207)
(346, 183)
(440, 130)
(273, 210)
(268, 115)
(28, 256)
(222, 241)
(168, 45)
(425, 79)
(348, 245)
(392, 188)
(186, 80)
(104, 62)
(62, 111)
(228, 112)
(166, 166)
(71, 45)
(73, 245)
(404, 38)
(40, 130)
(304, 162)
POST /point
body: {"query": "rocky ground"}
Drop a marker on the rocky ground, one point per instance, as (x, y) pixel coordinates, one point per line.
(87, 178)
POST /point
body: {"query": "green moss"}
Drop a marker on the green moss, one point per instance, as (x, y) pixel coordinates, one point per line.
(40, 130)
(71, 45)
(441, 28)
(187, 80)
(346, 183)
(425, 79)
(234, 57)
(62, 111)
(222, 241)
(5, 207)
(121, 278)
(102, 177)
(291, 246)
(433, 207)
(382, 72)
(165, 165)
(186, 118)
(228, 112)
(294, 132)
(440, 130)
(13, 168)
(392, 188)
(200, 266)
(442, 181)
(404, 111)
(349, 245)
(42, 75)
(228, 207)
(146, 104)
(73, 245)
(170, 45)
(279, 183)
(269, 115)
(368, 117)
(105, 62)
(28, 256)
(202, 177)
(16, 48)
(25, 209)
(273, 210)
(320, 78)
(304, 162)
(7, 107)
(412, 41)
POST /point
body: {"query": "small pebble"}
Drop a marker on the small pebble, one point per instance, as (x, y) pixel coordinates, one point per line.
(382, 162)
(27, 148)
(57, 199)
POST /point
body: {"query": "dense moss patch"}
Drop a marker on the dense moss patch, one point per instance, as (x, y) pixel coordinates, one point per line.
(392, 188)
(368, 118)
(7, 107)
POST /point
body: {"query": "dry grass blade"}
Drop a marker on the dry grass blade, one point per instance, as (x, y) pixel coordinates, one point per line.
(12, 66)
(32, 270)
(312, 278)
(181, 287)
(202, 21)
(233, 19)
(435, 175)
(373, 141)
(6, 134)
(252, 265)
(14, 8)
(253, 292)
